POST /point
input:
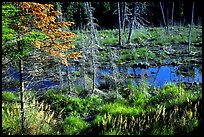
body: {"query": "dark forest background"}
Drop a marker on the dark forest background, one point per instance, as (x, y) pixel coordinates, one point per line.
(105, 13)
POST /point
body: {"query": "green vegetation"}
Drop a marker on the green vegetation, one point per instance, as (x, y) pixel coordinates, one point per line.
(73, 125)
(56, 113)
(82, 104)
(151, 36)
(39, 118)
(8, 96)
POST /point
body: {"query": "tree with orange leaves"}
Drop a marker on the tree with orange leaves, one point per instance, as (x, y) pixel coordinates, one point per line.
(34, 24)
(43, 17)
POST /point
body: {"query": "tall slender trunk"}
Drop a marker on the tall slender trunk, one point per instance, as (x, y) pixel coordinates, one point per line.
(124, 16)
(80, 17)
(59, 8)
(22, 89)
(119, 24)
(189, 37)
(113, 63)
(172, 19)
(84, 76)
(172, 15)
(60, 75)
(84, 62)
(162, 10)
(21, 71)
(93, 67)
(68, 81)
(167, 17)
(90, 15)
(22, 96)
(93, 36)
(132, 23)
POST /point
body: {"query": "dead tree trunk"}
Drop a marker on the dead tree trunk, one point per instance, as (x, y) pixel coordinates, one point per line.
(172, 15)
(167, 17)
(80, 17)
(90, 15)
(189, 37)
(124, 16)
(93, 67)
(162, 10)
(172, 19)
(59, 8)
(83, 64)
(132, 23)
(119, 24)
(113, 64)
(93, 48)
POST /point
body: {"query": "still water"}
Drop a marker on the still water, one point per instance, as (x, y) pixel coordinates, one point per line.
(155, 76)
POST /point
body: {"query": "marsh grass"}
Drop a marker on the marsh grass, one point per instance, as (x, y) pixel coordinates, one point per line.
(171, 111)
(162, 121)
(178, 113)
(39, 118)
(151, 36)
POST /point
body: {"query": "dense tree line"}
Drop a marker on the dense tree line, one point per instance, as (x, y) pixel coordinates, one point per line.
(106, 15)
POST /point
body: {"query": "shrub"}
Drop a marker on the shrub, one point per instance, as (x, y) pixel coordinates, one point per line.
(74, 125)
(169, 92)
(8, 96)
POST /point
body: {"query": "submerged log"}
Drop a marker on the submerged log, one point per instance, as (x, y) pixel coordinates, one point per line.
(141, 65)
(197, 44)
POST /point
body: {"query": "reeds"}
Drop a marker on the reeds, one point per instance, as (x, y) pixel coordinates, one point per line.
(39, 118)
(173, 120)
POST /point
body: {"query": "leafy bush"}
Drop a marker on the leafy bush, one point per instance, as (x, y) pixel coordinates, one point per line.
(74, 125)
(138, 99)
(74, 106)
(8, 96)
(170, 92)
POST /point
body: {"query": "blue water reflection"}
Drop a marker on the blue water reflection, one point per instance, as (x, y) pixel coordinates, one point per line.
(156, 76)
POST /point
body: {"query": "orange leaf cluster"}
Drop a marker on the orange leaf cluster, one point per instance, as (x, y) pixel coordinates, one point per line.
(57, 43)
(74, 55)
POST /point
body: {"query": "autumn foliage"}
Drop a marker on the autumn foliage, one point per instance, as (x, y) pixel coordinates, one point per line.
(42, 17)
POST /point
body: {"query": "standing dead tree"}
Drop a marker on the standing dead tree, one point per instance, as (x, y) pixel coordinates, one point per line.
(189, 36)
(138, 20)
(93, 38)
(119, 24)
(114, 57)
(124, 15)
(172, 19)
(162, 10)
(132, 22)
(91, 23)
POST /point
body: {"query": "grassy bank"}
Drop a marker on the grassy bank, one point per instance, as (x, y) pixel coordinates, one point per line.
(171, 111)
